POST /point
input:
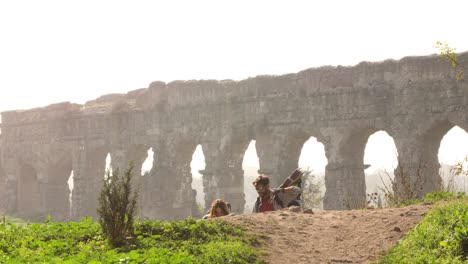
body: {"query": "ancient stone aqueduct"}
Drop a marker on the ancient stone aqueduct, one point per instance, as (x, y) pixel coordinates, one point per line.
(416, 100)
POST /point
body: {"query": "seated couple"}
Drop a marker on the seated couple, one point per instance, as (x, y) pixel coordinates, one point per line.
(268, 199)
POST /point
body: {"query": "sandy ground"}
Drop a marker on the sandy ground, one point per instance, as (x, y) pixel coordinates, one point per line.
(355, 236)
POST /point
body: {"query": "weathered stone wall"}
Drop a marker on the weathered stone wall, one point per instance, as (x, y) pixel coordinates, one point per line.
(415, 100)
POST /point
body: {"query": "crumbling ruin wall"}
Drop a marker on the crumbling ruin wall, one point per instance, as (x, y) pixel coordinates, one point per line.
(416, 100)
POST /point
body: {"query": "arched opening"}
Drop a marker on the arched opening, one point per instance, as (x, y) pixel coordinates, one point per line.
(108, 167)
(250, 165)
(70, 197)
(57, 191)
(380, 161)
(29, 200)
(313, 161)
(148, 163)
(88, 174)
(196, 165)
(453, 149)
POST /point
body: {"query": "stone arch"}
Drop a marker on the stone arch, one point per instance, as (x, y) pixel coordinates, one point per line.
(185, 195)
(453, 149)
(306, 162)
(88, 165)
(458, 150)
(122, 156)
(279, 153)
(29, 193)
(146, 183)
(57, 192)
(344, 175)
(196, 165)
(380, 158)
(313, 160)
(460, 119)
(250, 166)
(428, 164)
(147, 164)
(430, 146)
(223, 176)
(109, 166)
(418, 165)
(170, 180)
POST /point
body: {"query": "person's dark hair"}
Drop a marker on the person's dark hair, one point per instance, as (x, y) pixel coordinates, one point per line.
(261, 180)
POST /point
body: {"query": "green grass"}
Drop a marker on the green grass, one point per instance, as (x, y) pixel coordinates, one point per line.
(187, 241)
(13, 220)
(433, 197)
(442, 236)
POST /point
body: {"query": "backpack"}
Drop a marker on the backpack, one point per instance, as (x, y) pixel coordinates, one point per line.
(297, 201)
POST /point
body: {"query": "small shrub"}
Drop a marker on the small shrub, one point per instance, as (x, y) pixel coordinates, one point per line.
(403, 187)
(117, 206)
(450, 56)
(311, 191)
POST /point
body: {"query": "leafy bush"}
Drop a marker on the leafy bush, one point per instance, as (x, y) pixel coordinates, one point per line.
(117, 206)
(442, 237)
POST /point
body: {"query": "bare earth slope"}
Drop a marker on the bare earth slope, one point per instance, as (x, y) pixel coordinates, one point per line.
(356, 236)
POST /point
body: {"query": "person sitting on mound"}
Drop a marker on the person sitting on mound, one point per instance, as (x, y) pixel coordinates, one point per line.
(218, 208)
(272, 199)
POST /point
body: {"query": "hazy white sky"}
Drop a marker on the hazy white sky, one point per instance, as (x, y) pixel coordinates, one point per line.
(54, 51)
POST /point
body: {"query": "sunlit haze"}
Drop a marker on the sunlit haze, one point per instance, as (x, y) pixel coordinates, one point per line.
(55, 51)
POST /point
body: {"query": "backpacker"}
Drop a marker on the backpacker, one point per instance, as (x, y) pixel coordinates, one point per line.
(295, 179)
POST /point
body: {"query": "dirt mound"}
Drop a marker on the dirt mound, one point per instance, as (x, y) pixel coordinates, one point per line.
(356, 236)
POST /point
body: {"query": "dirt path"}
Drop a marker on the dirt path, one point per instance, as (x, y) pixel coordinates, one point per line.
(356, 236)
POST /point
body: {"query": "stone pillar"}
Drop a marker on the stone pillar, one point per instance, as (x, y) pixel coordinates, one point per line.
(10, 186)
(57, 192)
(278, 155)
(418, 167)
(345, 186)
(43, 184)
(168, 193)
(121, 158)
(223, 177)
(3, 190)
(344, 174)
(30, 192)
(88, 174)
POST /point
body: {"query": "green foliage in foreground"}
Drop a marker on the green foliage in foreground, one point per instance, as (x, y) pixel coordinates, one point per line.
(187, 241)
(442, 237)
(433, 197)
(117, 206)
